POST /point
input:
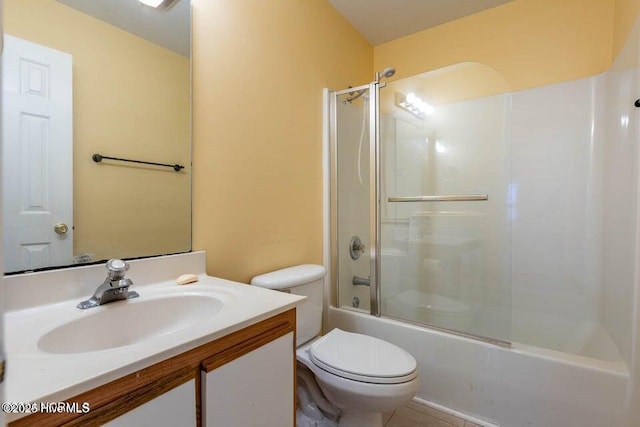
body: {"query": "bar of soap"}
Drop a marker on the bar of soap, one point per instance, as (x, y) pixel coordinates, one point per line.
(186, 278)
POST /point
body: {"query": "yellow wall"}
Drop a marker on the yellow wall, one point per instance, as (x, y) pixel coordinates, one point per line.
(455, 83)
(259, 70)
(131, 99)
(626, 13)
(529, 42)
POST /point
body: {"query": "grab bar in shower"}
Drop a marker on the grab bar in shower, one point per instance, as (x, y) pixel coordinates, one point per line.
(448, 198)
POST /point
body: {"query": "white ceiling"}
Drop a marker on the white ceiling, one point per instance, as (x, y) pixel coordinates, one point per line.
(380, 21)
(170, 29)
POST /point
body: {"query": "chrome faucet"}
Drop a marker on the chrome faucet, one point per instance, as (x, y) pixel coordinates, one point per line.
(114, 288)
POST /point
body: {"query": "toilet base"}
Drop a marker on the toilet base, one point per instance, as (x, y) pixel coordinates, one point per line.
(346, 420)
(303, 420)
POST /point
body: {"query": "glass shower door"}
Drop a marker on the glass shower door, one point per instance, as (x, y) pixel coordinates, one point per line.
(444, 213)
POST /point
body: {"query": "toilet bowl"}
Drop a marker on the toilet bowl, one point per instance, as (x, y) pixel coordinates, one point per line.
(360, 373)
(361, 376)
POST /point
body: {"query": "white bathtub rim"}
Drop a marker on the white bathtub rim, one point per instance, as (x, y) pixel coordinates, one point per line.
(616, 368)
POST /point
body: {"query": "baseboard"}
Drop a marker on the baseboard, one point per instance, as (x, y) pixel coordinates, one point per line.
(453, 412)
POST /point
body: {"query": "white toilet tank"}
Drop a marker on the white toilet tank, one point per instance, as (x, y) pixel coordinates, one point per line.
(304, 280)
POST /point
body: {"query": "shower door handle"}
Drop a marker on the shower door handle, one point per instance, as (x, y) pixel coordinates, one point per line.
(360, 281)
(448, 198)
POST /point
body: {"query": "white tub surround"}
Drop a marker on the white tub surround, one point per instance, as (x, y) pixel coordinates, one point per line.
(517, 387)
(40, 302)
(551, 261)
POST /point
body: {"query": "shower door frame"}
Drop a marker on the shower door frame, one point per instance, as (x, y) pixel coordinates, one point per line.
(375, 199)
(374, 189)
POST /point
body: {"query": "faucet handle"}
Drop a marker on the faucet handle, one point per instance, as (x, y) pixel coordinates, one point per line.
(116, 269)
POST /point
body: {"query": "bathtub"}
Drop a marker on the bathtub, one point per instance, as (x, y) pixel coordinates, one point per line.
(429, 308)
(511, 387)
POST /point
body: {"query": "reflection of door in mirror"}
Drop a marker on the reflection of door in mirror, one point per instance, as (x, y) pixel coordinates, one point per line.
(131, 100)
(37, 155)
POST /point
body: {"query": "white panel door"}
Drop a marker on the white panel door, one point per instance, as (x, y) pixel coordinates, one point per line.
(37, 156)
(254, 390)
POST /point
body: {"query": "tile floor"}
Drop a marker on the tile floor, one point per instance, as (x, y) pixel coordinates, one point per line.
(415, 415)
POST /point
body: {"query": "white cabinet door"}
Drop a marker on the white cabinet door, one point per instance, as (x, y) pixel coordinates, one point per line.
(177, 407)
(253, 390)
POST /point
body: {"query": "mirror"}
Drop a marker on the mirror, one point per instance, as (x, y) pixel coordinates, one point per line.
(85, 77)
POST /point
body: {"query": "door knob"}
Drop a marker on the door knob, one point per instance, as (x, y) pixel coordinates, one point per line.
(61, 228)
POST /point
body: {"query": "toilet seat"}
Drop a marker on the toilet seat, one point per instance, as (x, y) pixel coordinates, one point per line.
(362, 358)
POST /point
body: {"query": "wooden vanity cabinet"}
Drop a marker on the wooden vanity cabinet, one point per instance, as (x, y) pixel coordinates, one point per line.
(242, 379)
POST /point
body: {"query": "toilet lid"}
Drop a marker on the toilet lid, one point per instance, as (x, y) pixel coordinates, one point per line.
(363, 358)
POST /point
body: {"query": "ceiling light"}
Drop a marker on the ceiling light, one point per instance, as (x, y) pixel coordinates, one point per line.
(160, 4)
(152, 3)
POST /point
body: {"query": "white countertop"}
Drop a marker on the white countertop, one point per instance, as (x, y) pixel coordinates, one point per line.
(33, 375)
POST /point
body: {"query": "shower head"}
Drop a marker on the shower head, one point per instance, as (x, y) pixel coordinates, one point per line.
(387, 72)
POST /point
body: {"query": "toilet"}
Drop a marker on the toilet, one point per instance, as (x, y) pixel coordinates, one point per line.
(359, 377)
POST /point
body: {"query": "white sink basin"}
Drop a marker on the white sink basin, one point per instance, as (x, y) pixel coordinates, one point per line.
(133, 321)
(57, 351)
